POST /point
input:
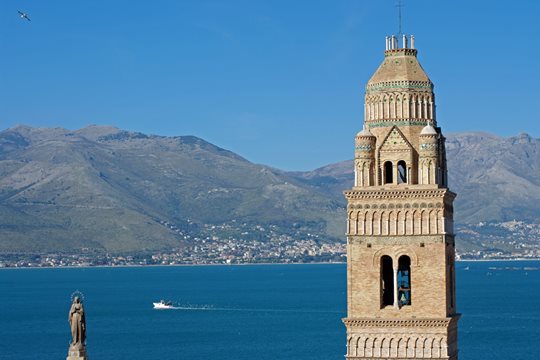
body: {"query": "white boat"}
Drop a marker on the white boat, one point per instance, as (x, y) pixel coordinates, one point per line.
(163, 305)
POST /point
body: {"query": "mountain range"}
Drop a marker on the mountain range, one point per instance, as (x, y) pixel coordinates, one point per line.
(107, 189)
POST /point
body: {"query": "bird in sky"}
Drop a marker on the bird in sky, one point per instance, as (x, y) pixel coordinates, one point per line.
(23, 15)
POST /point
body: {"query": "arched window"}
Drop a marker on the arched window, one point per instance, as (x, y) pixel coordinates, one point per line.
(402, 172)
(388, 172)
(387, 281)
(404, 280)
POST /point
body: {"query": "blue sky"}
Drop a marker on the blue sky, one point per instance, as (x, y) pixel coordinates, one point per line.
(279, 82)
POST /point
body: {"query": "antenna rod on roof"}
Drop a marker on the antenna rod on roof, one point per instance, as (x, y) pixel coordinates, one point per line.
(399, 5)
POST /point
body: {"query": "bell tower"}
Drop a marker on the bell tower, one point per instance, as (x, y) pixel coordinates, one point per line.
(400, 238)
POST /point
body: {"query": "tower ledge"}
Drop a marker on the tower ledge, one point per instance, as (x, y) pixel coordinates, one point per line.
(402, 52)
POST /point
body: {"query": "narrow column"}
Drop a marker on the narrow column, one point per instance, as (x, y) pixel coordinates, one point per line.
(396, 304)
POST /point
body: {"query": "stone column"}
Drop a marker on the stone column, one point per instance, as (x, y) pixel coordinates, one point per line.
(396, 304)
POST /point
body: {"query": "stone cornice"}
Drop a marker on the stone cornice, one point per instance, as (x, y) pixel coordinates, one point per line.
(401, 52)
(400, 323)
(405, 193)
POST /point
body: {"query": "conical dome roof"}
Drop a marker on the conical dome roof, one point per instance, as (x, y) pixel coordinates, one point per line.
(365, 133)
(399, 65)
(428, 130)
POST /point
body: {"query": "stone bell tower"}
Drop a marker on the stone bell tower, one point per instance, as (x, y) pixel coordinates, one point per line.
(400, 238)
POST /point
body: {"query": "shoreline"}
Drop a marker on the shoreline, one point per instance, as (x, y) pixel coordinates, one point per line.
(228, 265)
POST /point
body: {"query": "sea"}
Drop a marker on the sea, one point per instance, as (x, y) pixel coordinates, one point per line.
(244, 312)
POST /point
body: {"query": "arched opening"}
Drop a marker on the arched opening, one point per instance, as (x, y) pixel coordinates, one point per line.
(387, 281)
(402, 172)
(404, 280)
(388, 172)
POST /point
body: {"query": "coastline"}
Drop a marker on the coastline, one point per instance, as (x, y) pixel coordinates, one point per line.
(229, 265)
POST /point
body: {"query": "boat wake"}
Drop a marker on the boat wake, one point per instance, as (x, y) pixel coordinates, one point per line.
(190, 307)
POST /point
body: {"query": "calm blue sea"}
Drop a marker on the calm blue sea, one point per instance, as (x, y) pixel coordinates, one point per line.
(243, 312)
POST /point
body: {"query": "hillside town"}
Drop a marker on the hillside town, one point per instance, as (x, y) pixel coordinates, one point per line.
(244, 243)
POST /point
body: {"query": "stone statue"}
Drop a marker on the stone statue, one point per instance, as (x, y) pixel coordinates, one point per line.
(77, 323)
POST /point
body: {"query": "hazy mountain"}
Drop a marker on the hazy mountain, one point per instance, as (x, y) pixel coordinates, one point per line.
(101, 187)
(113, 190)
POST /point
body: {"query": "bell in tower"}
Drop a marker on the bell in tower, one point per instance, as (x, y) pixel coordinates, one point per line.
(400, 239)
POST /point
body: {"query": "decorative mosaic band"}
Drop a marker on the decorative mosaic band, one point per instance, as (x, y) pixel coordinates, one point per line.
(384, 123)
(399, 85)
(428, 146)
(363, 147)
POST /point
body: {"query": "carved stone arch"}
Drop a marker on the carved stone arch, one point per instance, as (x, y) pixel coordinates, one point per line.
(424, 225)
(436, 351)
(385, 347)
(393, 223)
(357, 221)
(361, 346)
(350, 345)
(376, 223)
(409, 222)
(361, 223)
(350, 221)
(405, 251)
(426, 221)
(369, 223)
(443, 346)
(385, 223)
(441, 226)
(411, 347)
(394, 344)
(426, 345)
(402, 347)
(377, 344)
(419, 348)
(401, 223)
(433, 223)
(376, 259)
(386, 107)
(417, 222)
(368, 350)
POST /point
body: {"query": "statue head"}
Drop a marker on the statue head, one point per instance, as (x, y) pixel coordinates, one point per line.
(77, 297)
